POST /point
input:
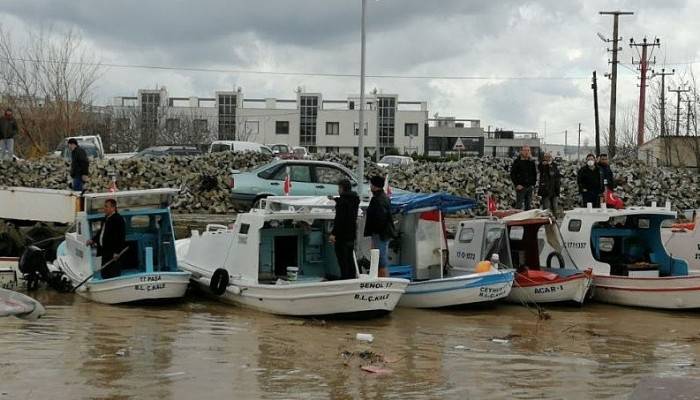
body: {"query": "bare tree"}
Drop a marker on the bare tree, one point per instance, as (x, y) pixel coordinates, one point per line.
(48, 81)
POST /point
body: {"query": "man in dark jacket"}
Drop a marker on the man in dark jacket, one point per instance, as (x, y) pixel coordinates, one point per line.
(345, 228)
(523, 173)
(589, 183)
(79, 165)
(606, 173)
(378, 222)
(110, 239)
(550, 184)
(8, 131)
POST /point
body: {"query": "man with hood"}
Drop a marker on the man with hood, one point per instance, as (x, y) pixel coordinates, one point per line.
(8, 130)
(590, 183)
(344, 230)
(379, 224)
(606, 173)
(523, 173)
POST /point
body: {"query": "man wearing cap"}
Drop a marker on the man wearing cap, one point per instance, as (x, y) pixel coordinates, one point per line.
(8, 131)
(378, 223)
(79, 165)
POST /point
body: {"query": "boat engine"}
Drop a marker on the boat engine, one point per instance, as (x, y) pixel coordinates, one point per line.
(32, 265)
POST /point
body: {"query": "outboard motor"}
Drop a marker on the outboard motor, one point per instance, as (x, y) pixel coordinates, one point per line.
(33, 267)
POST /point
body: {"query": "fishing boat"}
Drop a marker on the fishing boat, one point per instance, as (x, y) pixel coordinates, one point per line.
(276, 258)
(538, 278)
(19, 305)
(148, 264)
(682, 240)
(421, 255)
(630, 264)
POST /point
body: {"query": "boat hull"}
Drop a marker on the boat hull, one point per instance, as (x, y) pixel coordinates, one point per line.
(459, 290)
(678, 292)
(574, 288)
(355, 298)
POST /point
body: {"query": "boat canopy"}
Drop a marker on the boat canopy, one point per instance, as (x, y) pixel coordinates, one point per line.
(531, 217)
(130, 199)
(420, 202)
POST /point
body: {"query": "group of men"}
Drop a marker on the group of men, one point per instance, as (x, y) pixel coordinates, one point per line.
(379, 226)
(593, 179)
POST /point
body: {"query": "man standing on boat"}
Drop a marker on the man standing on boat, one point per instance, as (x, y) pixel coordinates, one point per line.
(110, 240)
(8, 131)
(590, 183)
(79, 165)
(345, 228)
(523, 173)
(378, 222)
(550, 184)
(606, 173)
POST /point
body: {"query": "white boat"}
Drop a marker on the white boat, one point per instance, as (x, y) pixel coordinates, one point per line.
(249, 263)
(149, 266)
(630, 264)
(19, 305)
(538, 279)
(683, 241)
(421, 256)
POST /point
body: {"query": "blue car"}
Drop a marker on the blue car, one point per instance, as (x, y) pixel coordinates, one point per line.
(308, 178)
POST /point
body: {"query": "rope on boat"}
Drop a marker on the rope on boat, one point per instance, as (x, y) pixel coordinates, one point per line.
(541, 313)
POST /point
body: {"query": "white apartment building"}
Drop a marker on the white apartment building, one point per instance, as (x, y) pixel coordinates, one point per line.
(309, 120)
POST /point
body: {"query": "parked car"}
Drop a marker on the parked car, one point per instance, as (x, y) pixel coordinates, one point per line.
(162, 151)
(281, 151)
(394, 161)
(300, 153)
(91, 144)
(308, 178)
(234, 145)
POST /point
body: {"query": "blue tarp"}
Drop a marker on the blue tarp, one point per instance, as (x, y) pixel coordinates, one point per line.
(447, 203)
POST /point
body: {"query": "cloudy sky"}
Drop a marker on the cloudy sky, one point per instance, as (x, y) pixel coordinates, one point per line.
(508, 45)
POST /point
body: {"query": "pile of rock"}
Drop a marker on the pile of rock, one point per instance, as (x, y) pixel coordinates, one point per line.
(203, 179)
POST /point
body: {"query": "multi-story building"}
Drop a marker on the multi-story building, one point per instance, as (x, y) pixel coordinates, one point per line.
(308, 120)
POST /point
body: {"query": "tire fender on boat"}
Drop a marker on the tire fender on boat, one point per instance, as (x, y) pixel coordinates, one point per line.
(219, 281)
(559, 257)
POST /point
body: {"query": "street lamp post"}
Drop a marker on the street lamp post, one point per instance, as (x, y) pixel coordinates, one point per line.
(360, 129)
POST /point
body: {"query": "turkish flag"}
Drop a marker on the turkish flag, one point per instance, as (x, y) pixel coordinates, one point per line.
(287, 184)
(113, 186)
(613, 201)
(387, 187)
(491, 204)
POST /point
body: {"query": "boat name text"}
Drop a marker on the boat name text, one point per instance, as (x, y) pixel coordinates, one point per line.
(492, 293)
(375, 285)
(575, 245)
(149, 287)
(551, 289)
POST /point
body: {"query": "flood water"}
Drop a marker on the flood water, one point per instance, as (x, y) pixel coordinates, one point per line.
(202, 349)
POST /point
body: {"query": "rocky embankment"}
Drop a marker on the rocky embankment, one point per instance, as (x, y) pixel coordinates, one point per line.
(203, 179)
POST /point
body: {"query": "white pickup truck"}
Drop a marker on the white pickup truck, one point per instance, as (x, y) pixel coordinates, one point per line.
(92, 146)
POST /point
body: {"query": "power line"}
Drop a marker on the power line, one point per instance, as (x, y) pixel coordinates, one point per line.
(297, 73)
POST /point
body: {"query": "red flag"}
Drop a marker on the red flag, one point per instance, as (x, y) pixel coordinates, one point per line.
(113, 185)
(287, 184)
(387, 187)
(613, 201)
(491, 204)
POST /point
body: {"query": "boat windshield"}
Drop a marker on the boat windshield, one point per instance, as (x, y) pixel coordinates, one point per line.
(496, 242)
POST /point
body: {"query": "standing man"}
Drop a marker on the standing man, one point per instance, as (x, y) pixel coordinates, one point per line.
(379, 224)
(606, 173)
(110, 240)
(8, 131)
(523, 173)
(345, 228)
(550, 184)
(79, 165)
(590, 183)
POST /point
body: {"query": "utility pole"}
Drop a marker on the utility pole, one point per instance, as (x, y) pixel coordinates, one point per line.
(644, 60)
(678, 106)
(663, 75)
(613, 75)
(361, 127)
(688, 113)
(578, 147)
(566, 142)
(594, 86)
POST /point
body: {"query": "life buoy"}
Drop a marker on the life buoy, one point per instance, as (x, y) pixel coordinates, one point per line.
(559, 258)
(219, 281)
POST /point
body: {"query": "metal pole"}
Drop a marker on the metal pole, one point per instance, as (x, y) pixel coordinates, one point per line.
(566, 143)
(687, 124)
(578, 147)
(595, 111)
(642, 95)
(360, 129)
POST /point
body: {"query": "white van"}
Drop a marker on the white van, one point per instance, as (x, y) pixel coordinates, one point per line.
(236, 146)
(91, 144)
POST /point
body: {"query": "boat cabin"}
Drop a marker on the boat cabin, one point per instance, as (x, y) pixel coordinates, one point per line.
(535, 241)
(477, 240)
(150, 237)
(283, 232)
(624, 242)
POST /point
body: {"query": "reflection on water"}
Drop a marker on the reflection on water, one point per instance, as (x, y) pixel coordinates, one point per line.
(200, 349)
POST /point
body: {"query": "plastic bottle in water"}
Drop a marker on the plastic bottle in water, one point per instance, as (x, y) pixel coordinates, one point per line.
(495, 259)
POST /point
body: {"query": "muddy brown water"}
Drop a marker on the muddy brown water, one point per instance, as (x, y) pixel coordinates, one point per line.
(203, 349)
(199, 348)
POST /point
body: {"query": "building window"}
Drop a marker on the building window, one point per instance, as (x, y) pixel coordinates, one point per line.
(575, 225)
(200, 125)
(172, 125)
(386, 113)
(227, 117)
(332, 128)
(358, 124)
(282, 127)
(411, 129)
(308, 113)
(150, 102)
(331, 149)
